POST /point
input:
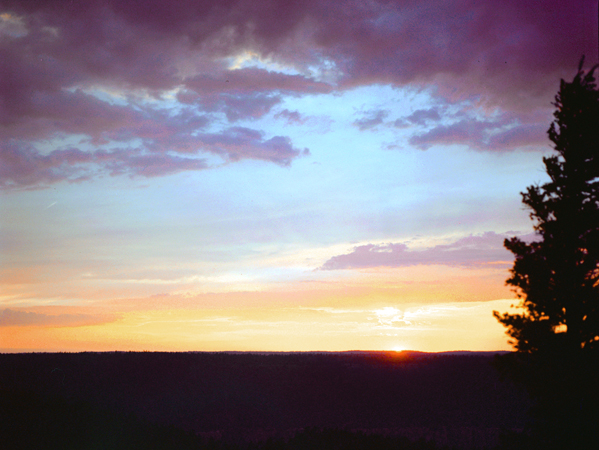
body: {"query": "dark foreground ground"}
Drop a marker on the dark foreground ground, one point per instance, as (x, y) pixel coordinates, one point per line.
(374, 400)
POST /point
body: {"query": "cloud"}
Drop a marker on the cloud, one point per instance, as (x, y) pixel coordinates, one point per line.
(464, 47)
(509, 55)
(21, 165)
(133, 162)
(11, 317)
(468, 251)
(238, 143)
(389, 316)
(160, 73)
(371, 119)
(254, 80)
(11, 26)
(234, 106)
(483, 135)
(291, 117)
(519, 136)
(419, 117)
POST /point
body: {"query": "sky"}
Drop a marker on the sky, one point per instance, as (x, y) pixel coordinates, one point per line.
(272, 175)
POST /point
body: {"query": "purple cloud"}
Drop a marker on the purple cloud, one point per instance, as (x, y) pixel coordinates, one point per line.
(463, 132)
(250, 106)
(252, 80)
(371, 120)
(463, 47)
(21, 165)
(502, 134)
(134, 163)
(234, 106)
(469, 251)
(508, 55)
(99, 68)
(419, 117)
(291, 117)
(522, 135)
(242, 143)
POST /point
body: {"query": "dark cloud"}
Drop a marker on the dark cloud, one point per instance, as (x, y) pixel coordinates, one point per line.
(508, 53)
(253, 80)
(10, 317)
(469, 251)
(103, 68)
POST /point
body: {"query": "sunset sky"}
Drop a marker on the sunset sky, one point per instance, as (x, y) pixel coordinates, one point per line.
(271, 175)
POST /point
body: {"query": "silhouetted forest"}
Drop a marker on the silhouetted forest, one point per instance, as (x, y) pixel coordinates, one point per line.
(344, 400)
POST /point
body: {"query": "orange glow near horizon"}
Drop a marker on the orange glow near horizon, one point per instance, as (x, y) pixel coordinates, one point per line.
(431, 328)
(416, 308)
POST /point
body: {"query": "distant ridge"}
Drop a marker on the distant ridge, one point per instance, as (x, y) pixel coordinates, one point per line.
(264, 352)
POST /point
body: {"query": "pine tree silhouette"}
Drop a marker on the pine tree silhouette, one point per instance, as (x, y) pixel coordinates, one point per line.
(556, 336)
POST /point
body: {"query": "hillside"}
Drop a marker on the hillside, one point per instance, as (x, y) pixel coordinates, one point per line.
(456, 399)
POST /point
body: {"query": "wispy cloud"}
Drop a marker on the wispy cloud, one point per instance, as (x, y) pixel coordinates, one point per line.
(22, 165)
(292, 117)
(419, 117)
(371, 119)
(468, 251)
(495, 135)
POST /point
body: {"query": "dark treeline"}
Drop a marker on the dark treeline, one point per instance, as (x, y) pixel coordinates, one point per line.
(555, 330)
(246, 400)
